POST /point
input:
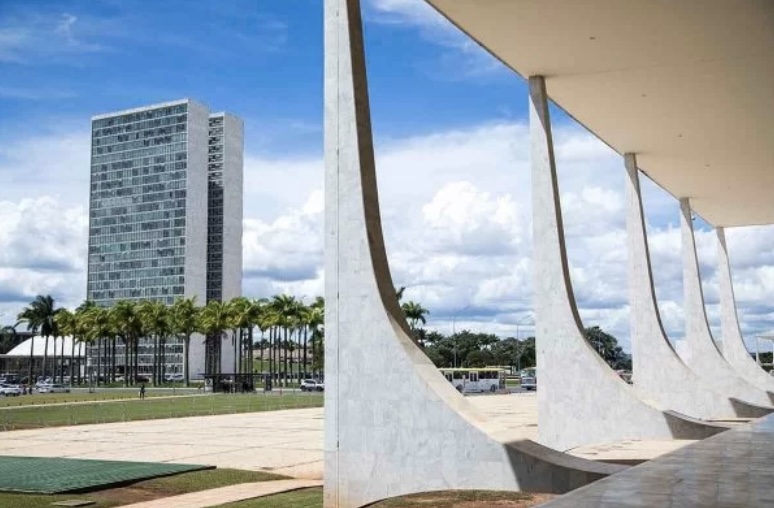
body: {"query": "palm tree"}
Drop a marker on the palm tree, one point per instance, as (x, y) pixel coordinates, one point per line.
(284, 309)
(317, 326)
(8, 339)
(185, 322)
(264, 321)
(303, 316)
(129, 327)
(80, 332)
(246, 314)
(415, 313)
(271, 322)
(156, 319)
(214, 320)
(238, 321)
(99, 325)
(39, 316)
(67, 322)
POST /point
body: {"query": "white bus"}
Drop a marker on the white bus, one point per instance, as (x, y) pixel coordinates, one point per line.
(475, 380)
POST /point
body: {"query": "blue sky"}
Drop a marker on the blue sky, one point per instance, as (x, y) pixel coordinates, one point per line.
(259, 58)
(451, 146)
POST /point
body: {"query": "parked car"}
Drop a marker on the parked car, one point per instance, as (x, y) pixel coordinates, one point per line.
(10, 379)
(10, 390)
(310, 385)
(53, 388)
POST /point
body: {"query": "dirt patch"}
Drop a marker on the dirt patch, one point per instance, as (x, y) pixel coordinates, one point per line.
(535, 500)
(467, 499)
(126, 495)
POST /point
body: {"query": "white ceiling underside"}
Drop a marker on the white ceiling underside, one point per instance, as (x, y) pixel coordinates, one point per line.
(688, 85)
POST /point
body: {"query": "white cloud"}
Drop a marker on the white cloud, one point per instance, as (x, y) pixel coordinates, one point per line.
(457, 218)
(42, 250)
(32, 37)
(463, 57)
(55, 164)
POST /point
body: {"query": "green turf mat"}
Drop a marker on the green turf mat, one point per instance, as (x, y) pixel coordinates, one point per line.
(51, 476)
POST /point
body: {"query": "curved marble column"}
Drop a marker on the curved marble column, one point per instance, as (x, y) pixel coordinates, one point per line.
(393, 424)
(702, 354)
(734, 349)
(580, 399)
(658, 372)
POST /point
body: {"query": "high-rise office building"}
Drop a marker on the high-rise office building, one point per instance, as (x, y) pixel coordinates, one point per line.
(166, 215)
(224, 221)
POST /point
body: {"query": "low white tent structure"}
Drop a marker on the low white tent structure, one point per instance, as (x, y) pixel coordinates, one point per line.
(38, 345)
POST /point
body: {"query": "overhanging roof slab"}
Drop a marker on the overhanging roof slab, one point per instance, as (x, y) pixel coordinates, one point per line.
(688, 85)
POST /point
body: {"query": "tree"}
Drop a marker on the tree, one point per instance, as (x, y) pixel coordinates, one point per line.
(156, 320)
(214, 320)
(8, 338)
(40, 318)
(317, 327)
(245, 314)
(415, 314)
(99, 325)
(607, 347)
(284, 309)
(515, 353)
(129, 326)
(264, 322)
(67, 323)
(185, 322)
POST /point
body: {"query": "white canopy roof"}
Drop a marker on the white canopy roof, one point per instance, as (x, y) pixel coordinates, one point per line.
(685, 84)
(23, 349)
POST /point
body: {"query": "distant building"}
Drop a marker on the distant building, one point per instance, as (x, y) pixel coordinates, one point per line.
(165, 217)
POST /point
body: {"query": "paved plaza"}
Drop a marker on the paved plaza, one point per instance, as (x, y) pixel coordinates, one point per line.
(288, 442)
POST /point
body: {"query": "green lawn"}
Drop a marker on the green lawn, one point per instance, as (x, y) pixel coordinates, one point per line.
(51, 398)
(306, 498)
(143, 491)
(26, 417)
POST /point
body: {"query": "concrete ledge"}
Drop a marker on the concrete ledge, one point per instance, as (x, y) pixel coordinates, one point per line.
(747, 410)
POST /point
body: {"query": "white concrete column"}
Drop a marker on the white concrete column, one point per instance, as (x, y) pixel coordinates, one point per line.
(580, 399)
(703, 356)
(658, 372)
(393, 424)
(734, 349)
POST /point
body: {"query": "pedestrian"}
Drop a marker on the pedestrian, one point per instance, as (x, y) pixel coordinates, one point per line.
(142, 390)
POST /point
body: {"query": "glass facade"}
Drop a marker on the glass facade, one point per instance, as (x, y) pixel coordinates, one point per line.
(215, 151)
(157, 196)
(137, 225)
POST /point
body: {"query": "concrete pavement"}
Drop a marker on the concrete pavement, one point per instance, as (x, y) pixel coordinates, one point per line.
(230, 494)
(287, 442)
